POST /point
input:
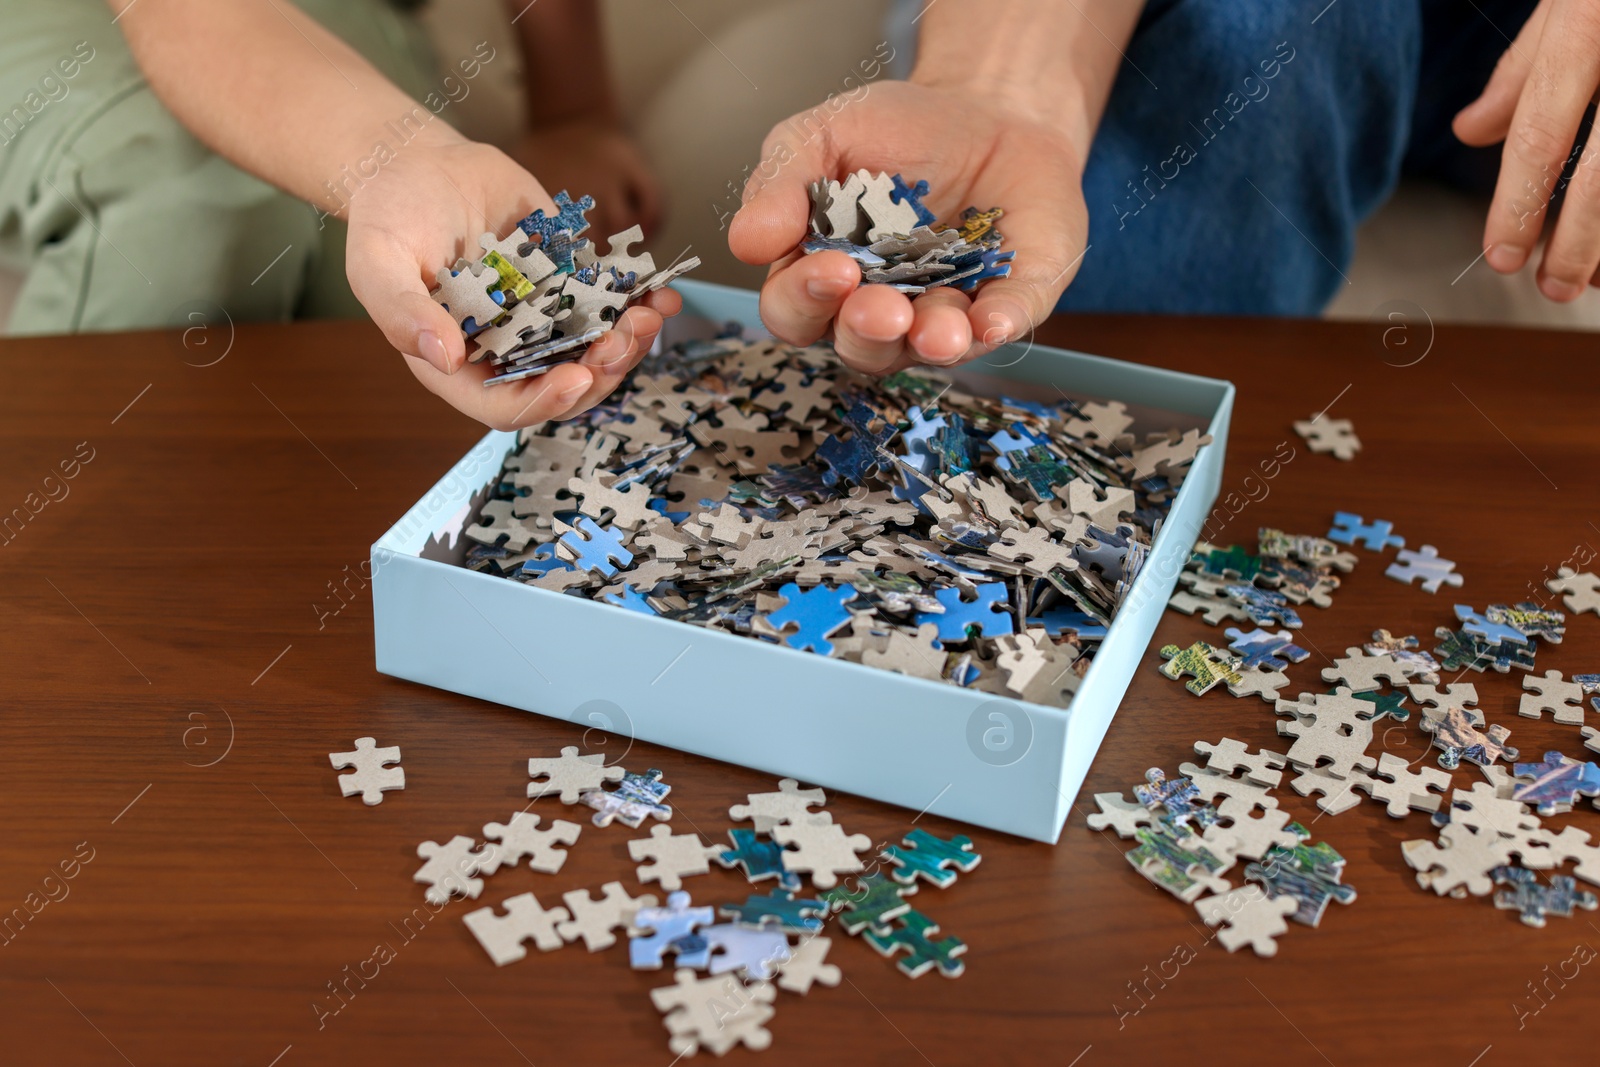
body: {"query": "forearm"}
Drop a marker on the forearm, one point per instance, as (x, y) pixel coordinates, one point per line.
(564, 60)
(1053, 59)
(269, 89)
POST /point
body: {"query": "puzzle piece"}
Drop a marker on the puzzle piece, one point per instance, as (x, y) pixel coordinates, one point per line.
(911, 935)
(1331, 733)
(502, 936)
(1534, 901)
(1362, 673)
(912, 195)
(931, 858)
(1456, 694)
(1456, 735)
(1426, 563)
(1263, 606)
(1205, 666)
(674, 856)
(1230, 755)
(755, 952)
(1119, 814)
(1174, 858)
(761, 859)
(1564, 700)
(1308, 874)
(1252, 917)
(714, 1014)
(820, 847)
(779, 908)
(522, 837)
(371, 778)
(450, 868)
(592, 547)
(1460, 864)
(1262, 683)
(1336, 436)
(1395, 784)
(1581, 592)
(805, 967)
(1232, 798)
(1487, 630)
(1263, 648)
(769, 810)
(963, 618)
(870, 902)
(465, 294)
(570, 775)
(1250, 836)
(636, 798)
(656, 931)
(817, 615)
(595, 920)
(1351, 529)
(1555, 784)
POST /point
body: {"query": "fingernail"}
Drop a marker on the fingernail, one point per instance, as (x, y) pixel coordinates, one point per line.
(1559, 290)
(827, 288)
(430, 348)
(1506, 258)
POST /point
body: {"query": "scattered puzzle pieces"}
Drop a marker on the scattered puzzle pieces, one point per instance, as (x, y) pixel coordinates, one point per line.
(920, 952)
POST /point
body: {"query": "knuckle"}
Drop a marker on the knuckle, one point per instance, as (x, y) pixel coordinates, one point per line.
(1537, 140)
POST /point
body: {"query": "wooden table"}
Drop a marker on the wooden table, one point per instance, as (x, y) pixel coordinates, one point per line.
(186, 636)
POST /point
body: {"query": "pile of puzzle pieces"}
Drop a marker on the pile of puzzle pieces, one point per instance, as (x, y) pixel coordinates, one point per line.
(725, 973)
(1489, 835)
(541, 295)
(903, 523)
(879, 221)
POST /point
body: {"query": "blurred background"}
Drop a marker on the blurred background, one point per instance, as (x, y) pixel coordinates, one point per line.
(701, 120)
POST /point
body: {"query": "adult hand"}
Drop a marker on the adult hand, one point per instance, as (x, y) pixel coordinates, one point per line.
(1535, 102)
(425, 209)
(972, 149)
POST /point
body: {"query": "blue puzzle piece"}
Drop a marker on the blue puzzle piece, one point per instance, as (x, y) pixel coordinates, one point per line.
(865, 451)
(1349, 529)
(543, 562)
(916, 438)
(557, 234)
(1262, 648)
(1180, 796)
(1524, 894)
(1060, 620)
(797, 916)
(1264, 606)
(1018, 438)
(661, 506)
(760, 857)
(1493, 633)
(1556, 783)
(671, 929)
(631, 600)
(913, 194)
(989, 614)
(819, 613)
(996, 264)
(596, 548)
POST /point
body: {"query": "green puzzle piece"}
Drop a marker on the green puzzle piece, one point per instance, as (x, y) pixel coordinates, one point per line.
(931, 857)
(871, 902)
(922, 953)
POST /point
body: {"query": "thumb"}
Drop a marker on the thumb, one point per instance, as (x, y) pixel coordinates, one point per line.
(776, 212)
(390, 287)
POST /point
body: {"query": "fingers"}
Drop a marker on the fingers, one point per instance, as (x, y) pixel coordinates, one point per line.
(800, 299)
(1550, 108)
(776, 212)
(614, 355)
(941, 333)
(1573, 253)
(1487, 119)
(506, 407)
(870, 331)
(390, 287)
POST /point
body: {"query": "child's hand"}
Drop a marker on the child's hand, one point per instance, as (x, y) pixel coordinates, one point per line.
(590, 156)
(972, 151)
(424, 209)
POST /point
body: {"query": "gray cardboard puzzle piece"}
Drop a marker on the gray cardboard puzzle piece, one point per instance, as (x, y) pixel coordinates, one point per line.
(370, 777)
(502, 936)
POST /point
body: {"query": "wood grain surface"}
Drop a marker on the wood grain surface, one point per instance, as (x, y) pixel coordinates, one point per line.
(185, 636)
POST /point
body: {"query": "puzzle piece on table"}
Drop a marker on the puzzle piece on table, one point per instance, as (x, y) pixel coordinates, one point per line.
(674, 856)
(1460, 864)
(1404, 790)
(1484, 808)
(753, 951)
(1264, 606)
(1175, 859)
(869, 902)
(1349, 529)
(502, 935)
(1250, 836)
(1337, 436)
(817, 613)
(522, 837)
(450, 868)
(1333, 729)
(1487, 630)
(805, 966)
(1564, 700)
(1178, 795)
(1581, 592)
(1252, 917)
(1232, 562)
(1262, 683)
(1456, 694)
(569, 775)
(961, 617)
(1362, 673)
(1591, 738)
(637, 797)
(1263, 648)
(820, 847)
(370, 777)
(1119, 814)
(1230, 755)
(1338, 795)
(592, 547)
(465, 294)
(1232, 798)
(769, 810)
(760, 858)
(1455, 733)
(1390, 705)
(1215, 609)
(1309, 874)
(596, 920)
(1524, 894)
(911, 935)
(714, 1014)
(1426, 563)
(1556, 783)
(1416, 665)
(1205, 666)
(1459, 650)
(780, 907)
(931, 858)
(656, 931)
(1531, 620)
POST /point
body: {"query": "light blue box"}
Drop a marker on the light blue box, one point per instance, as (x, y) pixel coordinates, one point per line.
(926, 746)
